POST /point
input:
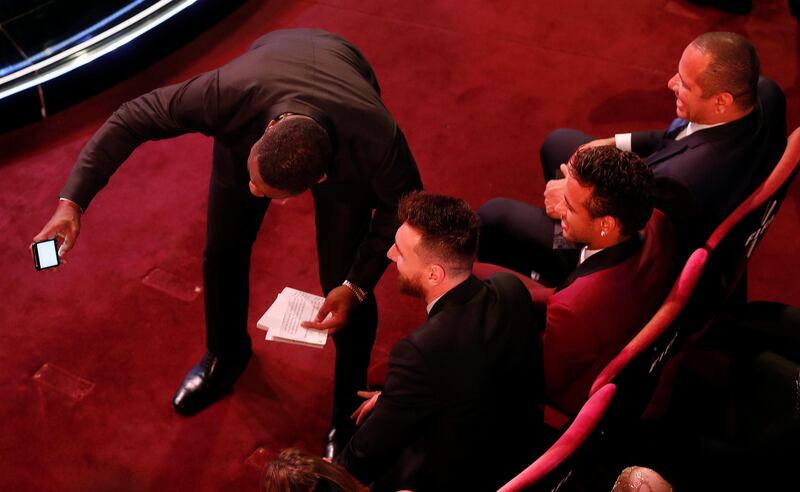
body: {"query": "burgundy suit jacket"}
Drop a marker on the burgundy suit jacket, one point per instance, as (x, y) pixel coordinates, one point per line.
(600, 306)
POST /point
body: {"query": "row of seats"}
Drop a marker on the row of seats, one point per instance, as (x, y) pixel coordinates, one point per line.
(705, 288)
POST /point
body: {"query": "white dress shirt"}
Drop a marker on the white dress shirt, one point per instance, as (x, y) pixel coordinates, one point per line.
(623, 140)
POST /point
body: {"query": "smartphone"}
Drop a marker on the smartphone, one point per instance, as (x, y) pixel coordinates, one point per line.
(45, 254)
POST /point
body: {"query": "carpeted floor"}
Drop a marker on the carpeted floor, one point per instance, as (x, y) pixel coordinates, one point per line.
(475, 85)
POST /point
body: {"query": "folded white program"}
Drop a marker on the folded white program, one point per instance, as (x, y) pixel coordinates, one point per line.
(282, 319)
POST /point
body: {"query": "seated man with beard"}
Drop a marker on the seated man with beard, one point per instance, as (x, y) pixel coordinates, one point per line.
(460, 409)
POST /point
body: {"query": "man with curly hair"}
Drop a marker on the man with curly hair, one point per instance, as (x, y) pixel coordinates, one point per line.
(622, 269)
(625, 269)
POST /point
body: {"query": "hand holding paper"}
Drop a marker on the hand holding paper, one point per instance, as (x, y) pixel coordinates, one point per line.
(333, 314)
(283, 319)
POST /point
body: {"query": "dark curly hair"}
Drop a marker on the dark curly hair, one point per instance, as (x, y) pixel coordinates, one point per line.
(622, 185)
(448, 225)
(294, 154)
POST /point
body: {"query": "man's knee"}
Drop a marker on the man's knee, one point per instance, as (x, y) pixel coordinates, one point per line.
(554, 144)
(558, 147)
(492, 213)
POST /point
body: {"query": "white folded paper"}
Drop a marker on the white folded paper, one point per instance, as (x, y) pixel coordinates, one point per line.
(282, 319)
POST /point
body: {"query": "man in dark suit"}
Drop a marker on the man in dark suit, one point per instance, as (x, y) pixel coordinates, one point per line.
(300, 110)
(460, 406)
(721, 147)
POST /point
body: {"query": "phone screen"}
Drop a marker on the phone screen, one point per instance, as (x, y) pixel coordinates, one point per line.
(45, 254)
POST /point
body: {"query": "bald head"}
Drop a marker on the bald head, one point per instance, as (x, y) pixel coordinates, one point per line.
(733, 67)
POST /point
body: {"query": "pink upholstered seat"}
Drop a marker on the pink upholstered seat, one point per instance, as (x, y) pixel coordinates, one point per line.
(555, 463)
(733, 242)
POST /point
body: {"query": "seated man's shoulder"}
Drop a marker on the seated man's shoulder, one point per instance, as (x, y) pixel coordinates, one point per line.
(505, 283)
(502, 294)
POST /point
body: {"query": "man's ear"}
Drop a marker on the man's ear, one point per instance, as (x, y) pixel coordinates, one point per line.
(723, 101)
(609, 224)
(436, 274)
(323, 178)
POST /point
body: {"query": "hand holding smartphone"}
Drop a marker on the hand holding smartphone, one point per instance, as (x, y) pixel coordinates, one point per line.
(45, 254)
(64, 224)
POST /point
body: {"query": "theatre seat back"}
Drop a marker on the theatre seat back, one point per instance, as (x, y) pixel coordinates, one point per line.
(734, 241)
(772, 107)
(555, 467)
(636, 368)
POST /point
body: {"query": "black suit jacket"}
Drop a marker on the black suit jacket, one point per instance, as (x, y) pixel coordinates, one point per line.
(304, 71)
(460, 406)
(703, 177)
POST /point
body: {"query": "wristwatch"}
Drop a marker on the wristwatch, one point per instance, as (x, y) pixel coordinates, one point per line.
(358, 291)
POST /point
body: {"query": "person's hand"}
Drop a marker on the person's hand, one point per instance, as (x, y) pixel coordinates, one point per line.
(598, 143)
(554, 194)
(64, 226)
(366, 406)
(338, 304)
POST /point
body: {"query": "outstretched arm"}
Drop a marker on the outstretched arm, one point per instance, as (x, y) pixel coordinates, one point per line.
(187, 107)
(397, 176)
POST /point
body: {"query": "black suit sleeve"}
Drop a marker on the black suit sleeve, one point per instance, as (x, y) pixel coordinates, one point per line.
(408, 399)
(646, 142)
(398, 176)
(191, 106)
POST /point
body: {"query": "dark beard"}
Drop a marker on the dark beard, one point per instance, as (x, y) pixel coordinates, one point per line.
(409, 287)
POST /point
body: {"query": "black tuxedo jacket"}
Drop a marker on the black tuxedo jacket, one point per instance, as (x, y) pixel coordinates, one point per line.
(704, 176)
(304, 71)
(460, 406)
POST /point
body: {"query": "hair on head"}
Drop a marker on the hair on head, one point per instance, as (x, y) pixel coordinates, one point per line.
(294, 471)
(622, 185)
(294, 154)
(733, 67)
(448, 226)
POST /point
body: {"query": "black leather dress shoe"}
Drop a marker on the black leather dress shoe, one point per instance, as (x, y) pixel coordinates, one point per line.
(207, 382)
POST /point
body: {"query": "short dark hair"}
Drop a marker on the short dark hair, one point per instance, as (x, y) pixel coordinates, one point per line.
(733, 67)
(622, 185)
(294, 154)
(448, 226)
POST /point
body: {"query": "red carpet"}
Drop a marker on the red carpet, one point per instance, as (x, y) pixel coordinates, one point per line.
(475, 85)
